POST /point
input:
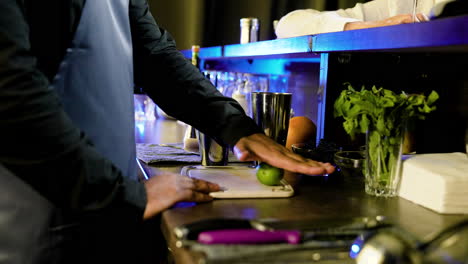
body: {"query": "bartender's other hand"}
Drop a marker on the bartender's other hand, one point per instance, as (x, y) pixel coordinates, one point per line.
(166, 189)
(395, 20)
(259, 147)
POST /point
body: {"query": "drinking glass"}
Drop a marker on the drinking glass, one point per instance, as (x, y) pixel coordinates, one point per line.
(383, 162)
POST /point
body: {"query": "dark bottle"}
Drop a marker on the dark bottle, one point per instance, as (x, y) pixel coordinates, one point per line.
(190, 137)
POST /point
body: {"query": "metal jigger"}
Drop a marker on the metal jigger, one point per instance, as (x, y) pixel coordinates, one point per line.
(211, 152)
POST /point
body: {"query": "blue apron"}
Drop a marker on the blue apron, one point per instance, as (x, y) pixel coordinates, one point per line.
(95, 81)
(24, 220)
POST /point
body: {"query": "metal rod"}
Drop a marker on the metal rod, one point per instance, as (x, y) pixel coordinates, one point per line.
(145, 175)
(415, 4)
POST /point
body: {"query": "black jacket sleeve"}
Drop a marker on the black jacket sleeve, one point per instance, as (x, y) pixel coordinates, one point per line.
(38, 142)
(177, 86)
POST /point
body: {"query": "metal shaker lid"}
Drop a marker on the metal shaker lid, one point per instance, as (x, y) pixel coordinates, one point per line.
(195, 48)
(249, 21)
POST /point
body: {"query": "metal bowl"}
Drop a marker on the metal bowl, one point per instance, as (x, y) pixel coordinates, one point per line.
(350, 163)
(306, 150)
(323, 152)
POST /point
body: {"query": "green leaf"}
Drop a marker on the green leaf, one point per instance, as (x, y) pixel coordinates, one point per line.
(425, 109)
(338, 111)
(364, 123)
(354, 111)
(348, 126)
(433, 96)
(380, 125)
(345, 106)
(387, 102)
(381, 108)
(375, 90)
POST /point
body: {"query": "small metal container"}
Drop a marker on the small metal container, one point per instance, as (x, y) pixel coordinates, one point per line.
(212, 153)
(350, 163)
(249, 30)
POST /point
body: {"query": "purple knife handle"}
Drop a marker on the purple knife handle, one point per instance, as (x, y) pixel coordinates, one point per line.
(249, 236)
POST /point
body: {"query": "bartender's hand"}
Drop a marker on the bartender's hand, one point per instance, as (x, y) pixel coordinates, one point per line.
(166, 189)
(259, 147)
(395, 20)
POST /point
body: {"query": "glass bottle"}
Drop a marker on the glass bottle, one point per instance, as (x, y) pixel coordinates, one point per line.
(243, 90)
(196, 56)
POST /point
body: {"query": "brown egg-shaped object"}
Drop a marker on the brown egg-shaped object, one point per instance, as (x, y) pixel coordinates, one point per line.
(301, 130)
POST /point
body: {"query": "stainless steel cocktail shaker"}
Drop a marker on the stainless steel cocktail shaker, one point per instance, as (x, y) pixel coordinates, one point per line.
(272, 111)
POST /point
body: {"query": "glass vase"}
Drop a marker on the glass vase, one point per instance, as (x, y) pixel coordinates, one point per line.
(383, 161)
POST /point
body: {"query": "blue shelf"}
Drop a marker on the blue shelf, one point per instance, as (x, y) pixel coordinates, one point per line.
(446, 35)
(441, 35)
(299, 45)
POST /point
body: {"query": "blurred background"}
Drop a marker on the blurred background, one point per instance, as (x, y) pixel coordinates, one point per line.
(216, 22)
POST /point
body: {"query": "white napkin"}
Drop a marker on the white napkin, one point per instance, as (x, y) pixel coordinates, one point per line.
(154, 153)
(173, 152)
(437, 181)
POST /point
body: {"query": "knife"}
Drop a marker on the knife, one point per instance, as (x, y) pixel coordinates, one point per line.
(321, 227)
(192, 230)
(294, 232)
(253, 236)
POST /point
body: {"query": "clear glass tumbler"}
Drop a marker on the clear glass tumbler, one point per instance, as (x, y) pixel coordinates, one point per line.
(383, 162)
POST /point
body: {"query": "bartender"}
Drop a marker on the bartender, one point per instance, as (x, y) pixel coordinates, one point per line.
(375, 13)
(67, 72)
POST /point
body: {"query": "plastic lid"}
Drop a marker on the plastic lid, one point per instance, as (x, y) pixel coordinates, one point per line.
(195, 48)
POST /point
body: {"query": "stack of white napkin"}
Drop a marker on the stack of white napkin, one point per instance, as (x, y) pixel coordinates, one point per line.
(437, 181)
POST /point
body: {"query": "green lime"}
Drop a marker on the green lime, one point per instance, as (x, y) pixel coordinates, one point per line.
(269, 175)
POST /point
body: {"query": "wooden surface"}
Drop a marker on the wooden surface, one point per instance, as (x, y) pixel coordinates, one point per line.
(315, 198)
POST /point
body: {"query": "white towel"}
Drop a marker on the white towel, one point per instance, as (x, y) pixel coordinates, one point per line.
(437, 181)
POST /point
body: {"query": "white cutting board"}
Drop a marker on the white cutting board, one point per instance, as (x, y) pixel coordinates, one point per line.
(237, 182)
